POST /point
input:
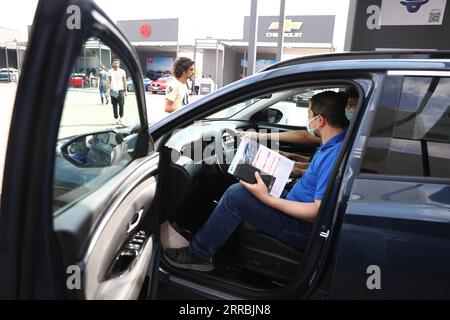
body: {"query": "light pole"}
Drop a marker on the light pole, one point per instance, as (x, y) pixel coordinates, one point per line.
(7, 63)
(252, 38)
(281, 30)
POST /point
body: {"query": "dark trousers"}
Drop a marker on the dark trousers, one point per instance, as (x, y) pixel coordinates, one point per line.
(238, 204)
(120, 100)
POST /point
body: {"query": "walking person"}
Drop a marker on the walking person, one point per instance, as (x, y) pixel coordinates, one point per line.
(177, 91)
(102, 78)
(117, 87)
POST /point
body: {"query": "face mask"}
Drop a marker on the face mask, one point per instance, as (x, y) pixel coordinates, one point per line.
(349, 113)
(311, 130)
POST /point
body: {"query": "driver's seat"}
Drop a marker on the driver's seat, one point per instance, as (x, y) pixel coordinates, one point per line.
(265, 255)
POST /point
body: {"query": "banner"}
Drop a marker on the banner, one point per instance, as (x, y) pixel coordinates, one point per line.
(412, 12)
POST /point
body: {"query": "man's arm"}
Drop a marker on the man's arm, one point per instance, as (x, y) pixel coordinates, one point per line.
(294, 156)
(300, 210)
(296, 136)
(124, 80)
(168, 107)
(108, 83)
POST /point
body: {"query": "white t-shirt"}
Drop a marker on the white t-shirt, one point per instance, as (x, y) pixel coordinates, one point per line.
(116, 78)
(177, 92)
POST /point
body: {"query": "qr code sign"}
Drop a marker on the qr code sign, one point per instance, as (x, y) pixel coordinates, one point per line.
(435, 17)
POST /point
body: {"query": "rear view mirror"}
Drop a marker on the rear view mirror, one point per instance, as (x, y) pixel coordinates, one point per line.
(101, 149)
(270, 115)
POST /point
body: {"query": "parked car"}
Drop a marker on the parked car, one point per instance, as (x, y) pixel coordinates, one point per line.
(146, 81)
(160, 85)
(77, 80)
(9, 74)
(385, 215)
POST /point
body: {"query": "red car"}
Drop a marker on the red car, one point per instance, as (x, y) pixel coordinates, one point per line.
(160, 85)
(76, 80)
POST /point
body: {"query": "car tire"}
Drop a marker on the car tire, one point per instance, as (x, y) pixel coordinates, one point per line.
(130, 88)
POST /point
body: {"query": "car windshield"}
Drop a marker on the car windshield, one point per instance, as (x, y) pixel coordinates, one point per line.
(231, 111)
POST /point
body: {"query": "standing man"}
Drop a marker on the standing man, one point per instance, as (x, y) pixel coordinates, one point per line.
(102, 78)
(177, 90)
(117, 86)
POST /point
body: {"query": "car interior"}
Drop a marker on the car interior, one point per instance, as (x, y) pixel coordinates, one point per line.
(193, 166)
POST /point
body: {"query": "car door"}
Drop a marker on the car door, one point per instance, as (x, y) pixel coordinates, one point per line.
(394, 240)
(70, 228)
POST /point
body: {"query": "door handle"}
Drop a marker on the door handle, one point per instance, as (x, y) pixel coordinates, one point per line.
(135, 220)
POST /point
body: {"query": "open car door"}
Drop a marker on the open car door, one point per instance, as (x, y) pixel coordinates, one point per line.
(72, 226)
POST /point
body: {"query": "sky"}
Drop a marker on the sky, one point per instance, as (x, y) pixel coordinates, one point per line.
(218, 19)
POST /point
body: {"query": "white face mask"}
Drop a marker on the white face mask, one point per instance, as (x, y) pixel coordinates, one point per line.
(311, 130)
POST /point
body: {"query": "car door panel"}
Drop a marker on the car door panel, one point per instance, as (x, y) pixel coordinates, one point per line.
(126, 286)
(76, 225)
(98, 281)
(39, 247)
(401, 227)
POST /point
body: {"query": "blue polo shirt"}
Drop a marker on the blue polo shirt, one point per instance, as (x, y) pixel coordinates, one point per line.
(314, 182)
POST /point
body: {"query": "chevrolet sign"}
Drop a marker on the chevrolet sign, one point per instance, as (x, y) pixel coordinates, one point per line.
(289, 26)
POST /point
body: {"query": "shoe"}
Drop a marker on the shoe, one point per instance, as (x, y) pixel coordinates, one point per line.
(107, 101)
(185, 259)
(120, 121)
(117, 122)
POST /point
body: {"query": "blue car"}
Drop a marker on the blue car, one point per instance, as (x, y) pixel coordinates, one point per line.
(146, 82)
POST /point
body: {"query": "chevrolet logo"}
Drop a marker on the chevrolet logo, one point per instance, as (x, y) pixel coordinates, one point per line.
(288, 25)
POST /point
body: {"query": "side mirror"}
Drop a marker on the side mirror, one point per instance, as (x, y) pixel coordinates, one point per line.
(269, 115)
(100, 149)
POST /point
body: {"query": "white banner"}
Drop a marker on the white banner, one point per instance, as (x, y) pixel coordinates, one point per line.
(412, 12)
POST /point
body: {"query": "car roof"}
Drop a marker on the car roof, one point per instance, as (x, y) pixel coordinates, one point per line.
(365, 57)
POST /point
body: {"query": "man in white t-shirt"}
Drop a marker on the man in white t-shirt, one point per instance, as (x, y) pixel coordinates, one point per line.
(177, 90)
(117, 87)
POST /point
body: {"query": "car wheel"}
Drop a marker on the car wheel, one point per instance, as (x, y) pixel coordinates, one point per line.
(130, 88)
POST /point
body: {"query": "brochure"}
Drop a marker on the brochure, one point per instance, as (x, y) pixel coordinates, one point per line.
(272, 166)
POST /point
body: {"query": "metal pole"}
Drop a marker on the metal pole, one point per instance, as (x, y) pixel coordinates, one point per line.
(244, 68)
(195, 67)
(7, 63)
(18, 60)
(281, 30)
(252, 38)
(350, 25)
(84, 66)
(217, 61)
(178, 38)
(99, 53)
(223, 64)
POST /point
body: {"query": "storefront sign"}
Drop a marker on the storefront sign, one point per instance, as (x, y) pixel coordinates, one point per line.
(151, 30)
(412, 12)
(303, 29)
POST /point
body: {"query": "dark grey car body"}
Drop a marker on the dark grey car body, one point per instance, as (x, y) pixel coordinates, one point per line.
(371, 223)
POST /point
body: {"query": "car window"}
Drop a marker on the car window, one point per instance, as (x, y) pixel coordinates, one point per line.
(96, 138)
(416, 141)
(234, 109)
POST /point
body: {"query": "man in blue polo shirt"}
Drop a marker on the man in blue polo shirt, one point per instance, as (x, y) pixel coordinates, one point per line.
(288, 219)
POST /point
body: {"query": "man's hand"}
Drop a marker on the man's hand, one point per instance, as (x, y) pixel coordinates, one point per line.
(126, 93)
(258, 190)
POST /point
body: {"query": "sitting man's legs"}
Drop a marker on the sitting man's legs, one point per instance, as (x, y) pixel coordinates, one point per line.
(237, 204)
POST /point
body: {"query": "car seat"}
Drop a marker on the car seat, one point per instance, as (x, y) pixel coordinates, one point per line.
(266, 255)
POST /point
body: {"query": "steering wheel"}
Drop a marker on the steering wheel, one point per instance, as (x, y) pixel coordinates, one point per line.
(227, 142)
